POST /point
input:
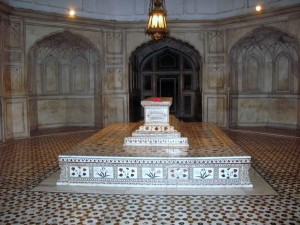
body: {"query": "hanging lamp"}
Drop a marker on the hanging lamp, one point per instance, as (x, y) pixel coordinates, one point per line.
(157, 25)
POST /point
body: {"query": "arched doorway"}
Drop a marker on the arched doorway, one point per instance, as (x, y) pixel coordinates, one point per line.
(167, 68)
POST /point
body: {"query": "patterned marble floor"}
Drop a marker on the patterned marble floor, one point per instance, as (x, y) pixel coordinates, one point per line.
(25, 163)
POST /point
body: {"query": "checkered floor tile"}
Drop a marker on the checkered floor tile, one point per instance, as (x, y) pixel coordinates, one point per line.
(25, 163)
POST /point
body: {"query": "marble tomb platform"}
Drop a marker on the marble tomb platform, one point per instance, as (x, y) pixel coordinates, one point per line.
(210, 159)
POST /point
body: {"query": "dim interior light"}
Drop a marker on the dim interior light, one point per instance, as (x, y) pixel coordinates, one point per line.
(72, 12)
(258, 8)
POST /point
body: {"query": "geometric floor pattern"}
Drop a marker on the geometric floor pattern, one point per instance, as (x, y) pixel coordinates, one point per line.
(25, 163)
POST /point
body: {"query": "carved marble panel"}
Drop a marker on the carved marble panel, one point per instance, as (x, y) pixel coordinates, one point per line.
(114, 42)
(13, 80)
(253, 75)
(115, 79)
(252, 111)
(215, 107)
(15, 112)
(282, 73)
(12, 29)
(114, 60)
(80, 111)
(218, 59)
(51, 113)
(115, 109)
(266, 110)
(79, 75)
(12, 57)
(276, 107)
(215, 42)
(215, 79)
(51, 75)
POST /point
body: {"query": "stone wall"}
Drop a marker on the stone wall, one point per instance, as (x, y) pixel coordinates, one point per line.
(58, 71)
(14, 99)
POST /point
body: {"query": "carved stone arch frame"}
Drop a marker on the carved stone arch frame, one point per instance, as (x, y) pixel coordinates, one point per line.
(175, 44)
(140, 55)
(256, 39)
(50, 45)
(51, 58)
(72, 74)
(290, 72)
(271, 44)
(175, 51)
(33, 50)
(245, 63)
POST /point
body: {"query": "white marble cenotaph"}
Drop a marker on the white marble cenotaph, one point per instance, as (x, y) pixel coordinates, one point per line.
(156, 130)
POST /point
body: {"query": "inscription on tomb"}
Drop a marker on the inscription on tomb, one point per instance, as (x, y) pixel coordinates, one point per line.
(157, 116)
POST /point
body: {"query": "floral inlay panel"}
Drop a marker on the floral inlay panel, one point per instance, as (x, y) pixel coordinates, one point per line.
(203, 173)
(228, 173)
(127, 172)
(104, 172)
(79, 171)
(152, 173)
(178, 173)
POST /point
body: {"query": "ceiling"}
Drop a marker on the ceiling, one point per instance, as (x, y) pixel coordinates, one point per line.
(136, 10)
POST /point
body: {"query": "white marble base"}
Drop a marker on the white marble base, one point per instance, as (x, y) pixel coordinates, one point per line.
(212, 160)
(260, 187)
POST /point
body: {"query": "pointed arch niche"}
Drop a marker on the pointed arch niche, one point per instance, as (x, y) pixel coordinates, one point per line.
(264, 86)
(63, 82)
(166, 68)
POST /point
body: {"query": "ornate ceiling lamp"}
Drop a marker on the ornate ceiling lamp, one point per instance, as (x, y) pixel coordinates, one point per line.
(157, 25)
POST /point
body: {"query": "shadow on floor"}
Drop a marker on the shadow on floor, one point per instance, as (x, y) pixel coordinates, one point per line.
(60, 130)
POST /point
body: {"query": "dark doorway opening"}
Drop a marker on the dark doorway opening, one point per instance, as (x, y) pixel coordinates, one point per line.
(167, 68)
(167, 86)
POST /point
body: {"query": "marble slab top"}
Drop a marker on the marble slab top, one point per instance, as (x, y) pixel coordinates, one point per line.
(157, 101)
(205, 140)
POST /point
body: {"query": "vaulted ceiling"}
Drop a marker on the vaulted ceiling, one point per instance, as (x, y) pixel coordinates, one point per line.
(135, 10)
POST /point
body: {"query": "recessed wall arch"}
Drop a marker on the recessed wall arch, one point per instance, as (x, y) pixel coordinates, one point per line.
(166, 68)
(282, 73)
(64, 82)
(268, 59)
(251, 81)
